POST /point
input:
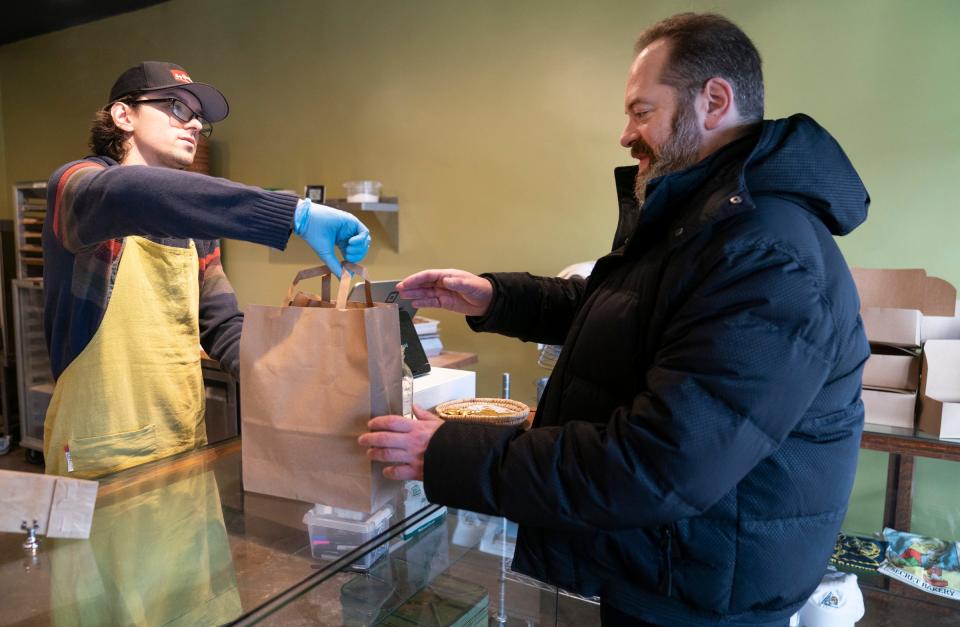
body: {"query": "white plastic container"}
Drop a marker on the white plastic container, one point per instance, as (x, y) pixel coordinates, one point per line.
(363, 191)
(335, 532)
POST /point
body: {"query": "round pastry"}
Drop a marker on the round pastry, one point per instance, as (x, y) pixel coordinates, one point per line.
(490, 411)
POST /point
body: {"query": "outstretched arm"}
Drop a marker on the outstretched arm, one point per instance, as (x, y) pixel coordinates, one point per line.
(93, 203)
(532, 308)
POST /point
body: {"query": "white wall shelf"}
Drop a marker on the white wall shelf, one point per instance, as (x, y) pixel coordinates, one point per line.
(386, 211)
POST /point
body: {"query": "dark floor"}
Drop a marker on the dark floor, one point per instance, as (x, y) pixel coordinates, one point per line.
(16, 459)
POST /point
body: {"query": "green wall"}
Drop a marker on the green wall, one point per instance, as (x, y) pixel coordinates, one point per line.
(497, 122)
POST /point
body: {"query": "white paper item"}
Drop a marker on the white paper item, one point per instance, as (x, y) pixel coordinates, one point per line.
(63, 507)
(837, 602)
(443, 384)
(71, 513)
(26, 497)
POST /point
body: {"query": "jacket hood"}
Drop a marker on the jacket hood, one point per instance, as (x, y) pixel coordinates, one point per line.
(793, 158)
(797, 159)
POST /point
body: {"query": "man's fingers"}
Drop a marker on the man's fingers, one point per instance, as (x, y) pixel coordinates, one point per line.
(398, 424)
(427, 303)
(390, 455)
(423, 414)
(419, 292)
(458, 284)
(402, 473)
(420, 279)
(384, 439)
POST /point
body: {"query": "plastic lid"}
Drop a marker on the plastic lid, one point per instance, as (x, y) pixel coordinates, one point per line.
(324, 513)
(347, 514)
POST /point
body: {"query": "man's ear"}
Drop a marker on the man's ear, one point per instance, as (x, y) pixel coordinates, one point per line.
(717, 102)
(121, 114)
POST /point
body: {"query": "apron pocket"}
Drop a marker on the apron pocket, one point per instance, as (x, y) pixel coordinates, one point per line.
(101, 454)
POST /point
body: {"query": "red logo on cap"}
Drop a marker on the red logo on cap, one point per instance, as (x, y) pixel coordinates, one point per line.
(181, 76)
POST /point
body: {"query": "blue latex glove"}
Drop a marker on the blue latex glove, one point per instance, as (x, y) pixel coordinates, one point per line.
(325, 228)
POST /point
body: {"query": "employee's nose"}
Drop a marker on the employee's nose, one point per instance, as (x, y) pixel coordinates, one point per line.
(194, 124)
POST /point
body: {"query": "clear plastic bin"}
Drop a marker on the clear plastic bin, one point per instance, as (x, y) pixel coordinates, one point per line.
(335, 532)
(363, 191)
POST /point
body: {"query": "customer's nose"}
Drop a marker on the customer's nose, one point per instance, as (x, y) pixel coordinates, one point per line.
(628, 136)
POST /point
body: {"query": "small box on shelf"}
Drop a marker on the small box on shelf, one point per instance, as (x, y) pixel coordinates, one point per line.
(892, 368)
(889, 408)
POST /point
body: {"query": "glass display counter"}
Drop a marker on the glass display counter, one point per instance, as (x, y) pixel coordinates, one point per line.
(179, 542)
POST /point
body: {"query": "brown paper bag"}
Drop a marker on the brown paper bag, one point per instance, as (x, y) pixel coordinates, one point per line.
(313, 372)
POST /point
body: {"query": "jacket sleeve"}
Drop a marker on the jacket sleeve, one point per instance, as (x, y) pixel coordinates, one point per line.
(94, 202)
(531, 308)
(220, 317)
(744, 357)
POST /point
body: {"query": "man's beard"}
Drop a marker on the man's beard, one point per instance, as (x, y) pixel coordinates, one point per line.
(677, 153)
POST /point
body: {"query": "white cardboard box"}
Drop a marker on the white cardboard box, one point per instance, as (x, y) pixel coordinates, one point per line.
(893, 409)
(940, 389)
(940, 328)
(892, 369)
(443, 384)
(938, 418)
(894, 302)
(895, 327)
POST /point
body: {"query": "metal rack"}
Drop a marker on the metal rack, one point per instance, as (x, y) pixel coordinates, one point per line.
(9, 424)
(34, 378)
(30, 200)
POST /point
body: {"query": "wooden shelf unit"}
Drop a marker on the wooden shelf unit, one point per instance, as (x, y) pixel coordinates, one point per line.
(903, 446)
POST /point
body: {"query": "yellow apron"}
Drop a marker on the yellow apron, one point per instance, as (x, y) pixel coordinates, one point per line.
(160, 556)
(135, 393)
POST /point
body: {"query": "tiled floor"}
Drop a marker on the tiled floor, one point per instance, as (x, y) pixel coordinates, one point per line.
(16, 460)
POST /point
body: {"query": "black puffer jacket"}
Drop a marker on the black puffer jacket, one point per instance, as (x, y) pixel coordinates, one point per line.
(696, 445)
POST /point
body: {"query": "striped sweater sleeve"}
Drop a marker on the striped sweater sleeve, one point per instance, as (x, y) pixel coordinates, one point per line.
(94, 202)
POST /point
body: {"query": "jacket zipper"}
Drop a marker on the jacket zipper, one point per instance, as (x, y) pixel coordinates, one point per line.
(666, 556)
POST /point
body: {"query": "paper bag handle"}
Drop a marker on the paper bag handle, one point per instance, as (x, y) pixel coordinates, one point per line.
(344, 290)
(309, 273)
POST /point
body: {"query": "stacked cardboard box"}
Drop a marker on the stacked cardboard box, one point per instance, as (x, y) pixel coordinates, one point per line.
(914, 367)
(940, 389)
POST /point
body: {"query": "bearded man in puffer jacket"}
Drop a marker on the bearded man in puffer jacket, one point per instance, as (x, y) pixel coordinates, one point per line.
(695, 447)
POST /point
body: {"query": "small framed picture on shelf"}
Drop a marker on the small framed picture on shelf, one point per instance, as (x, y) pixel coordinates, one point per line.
(316, 193)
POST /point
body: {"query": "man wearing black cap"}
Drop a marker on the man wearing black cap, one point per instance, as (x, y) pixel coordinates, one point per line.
(127, 237)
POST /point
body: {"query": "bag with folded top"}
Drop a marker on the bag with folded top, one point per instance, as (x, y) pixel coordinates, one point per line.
(313, 372)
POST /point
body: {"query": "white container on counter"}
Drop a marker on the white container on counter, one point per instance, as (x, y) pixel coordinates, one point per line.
(335, 532)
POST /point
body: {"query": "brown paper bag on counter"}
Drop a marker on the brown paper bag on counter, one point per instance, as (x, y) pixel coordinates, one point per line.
(312, 373)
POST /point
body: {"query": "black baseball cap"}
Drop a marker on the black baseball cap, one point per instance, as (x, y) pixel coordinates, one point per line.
(154, 75)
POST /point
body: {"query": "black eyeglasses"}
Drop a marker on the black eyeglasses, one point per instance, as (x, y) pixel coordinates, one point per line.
(181, 111)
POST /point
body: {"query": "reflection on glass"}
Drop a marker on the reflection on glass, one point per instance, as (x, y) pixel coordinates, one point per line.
(455, 573)
(160, 557)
